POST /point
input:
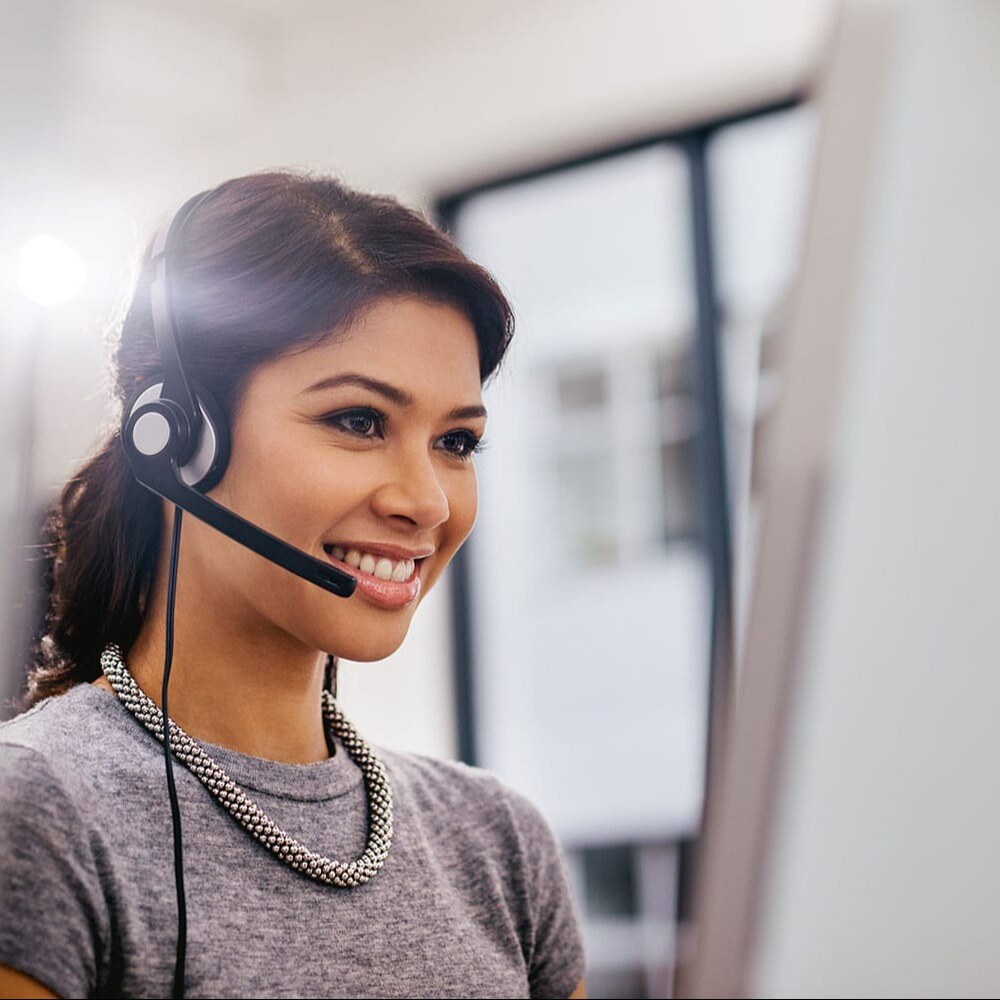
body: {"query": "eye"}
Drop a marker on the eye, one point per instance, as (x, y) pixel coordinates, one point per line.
(471, 444)
(362, 417)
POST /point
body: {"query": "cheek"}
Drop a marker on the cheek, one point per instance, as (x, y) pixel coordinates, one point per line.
(333, 480)
(302, 491)
(463, 504)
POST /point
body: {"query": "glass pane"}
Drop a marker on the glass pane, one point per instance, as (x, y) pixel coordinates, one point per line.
(610, 880)
(681, 510)
(597, 260)
(586, 505)
(583, 390)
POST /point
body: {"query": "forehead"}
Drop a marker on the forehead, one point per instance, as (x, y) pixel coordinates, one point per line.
(428, 349)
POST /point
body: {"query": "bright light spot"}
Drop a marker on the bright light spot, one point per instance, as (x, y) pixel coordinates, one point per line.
(49, 272)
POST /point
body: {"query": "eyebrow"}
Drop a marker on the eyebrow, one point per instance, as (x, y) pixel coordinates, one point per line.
(394, 394)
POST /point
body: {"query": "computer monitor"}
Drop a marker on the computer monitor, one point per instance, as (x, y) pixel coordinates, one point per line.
(850, 845)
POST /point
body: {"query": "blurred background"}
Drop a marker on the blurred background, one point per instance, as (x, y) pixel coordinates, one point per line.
(637, 175)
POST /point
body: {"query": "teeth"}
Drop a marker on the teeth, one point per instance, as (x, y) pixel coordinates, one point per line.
(379, 566)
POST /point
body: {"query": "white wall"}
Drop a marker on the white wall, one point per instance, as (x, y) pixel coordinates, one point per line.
(116, 110)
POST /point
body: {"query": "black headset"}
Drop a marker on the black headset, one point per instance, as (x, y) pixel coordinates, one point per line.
(177, 439)
(177, 442)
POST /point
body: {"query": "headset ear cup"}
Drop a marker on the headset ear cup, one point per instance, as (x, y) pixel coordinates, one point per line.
(208, 465)
(208, 462)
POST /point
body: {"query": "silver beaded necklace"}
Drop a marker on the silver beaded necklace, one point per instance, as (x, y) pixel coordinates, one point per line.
(245, 811)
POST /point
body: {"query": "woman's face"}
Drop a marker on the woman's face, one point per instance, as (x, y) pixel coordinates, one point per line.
(317, 465)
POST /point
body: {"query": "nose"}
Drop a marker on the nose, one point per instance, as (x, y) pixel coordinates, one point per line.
(413, 491)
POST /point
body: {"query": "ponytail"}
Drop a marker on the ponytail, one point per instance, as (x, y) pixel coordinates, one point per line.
(102, 536)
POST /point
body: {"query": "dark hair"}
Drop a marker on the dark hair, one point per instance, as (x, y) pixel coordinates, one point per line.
(269, 262)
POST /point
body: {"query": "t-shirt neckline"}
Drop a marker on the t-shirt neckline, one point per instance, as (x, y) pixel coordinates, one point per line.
(323, 779)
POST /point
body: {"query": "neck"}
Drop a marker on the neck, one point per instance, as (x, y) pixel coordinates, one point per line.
(253, 690)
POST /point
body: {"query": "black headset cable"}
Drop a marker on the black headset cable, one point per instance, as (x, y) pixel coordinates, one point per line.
(178, 990)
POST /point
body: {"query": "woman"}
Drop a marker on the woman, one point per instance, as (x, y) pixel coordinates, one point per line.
(346, 340)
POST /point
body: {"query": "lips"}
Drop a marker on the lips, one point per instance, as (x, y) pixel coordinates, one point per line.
(385, 593)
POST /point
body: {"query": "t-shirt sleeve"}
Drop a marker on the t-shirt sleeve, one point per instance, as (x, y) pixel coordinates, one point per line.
(54, 912)
(558, 961)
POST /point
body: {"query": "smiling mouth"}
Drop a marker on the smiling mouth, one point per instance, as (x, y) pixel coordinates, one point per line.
(389, 594)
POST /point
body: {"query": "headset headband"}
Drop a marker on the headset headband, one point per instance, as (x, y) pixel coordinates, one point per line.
(175, 383)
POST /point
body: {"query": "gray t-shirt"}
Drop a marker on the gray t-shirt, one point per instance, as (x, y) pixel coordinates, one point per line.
(474, 899)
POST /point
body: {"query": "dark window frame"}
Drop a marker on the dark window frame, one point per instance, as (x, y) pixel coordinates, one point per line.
(693, 140)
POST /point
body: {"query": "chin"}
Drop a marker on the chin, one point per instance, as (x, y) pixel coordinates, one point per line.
(363, 648)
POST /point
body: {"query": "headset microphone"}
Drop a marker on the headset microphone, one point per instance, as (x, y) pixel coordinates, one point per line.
(176, 440)
(150, 433)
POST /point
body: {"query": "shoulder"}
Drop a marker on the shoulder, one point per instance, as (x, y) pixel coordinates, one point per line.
(49, 872)
(478, 810)
(470, 794)
(29, 747)
(437, 780)
(79, 741)
(43, 762)
(67, 719)
(514, 841)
